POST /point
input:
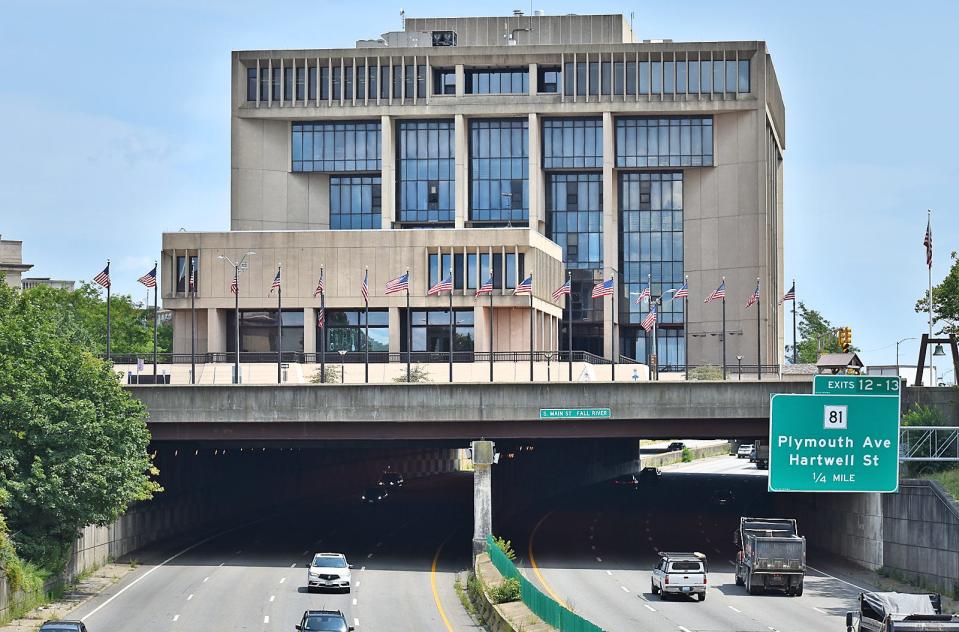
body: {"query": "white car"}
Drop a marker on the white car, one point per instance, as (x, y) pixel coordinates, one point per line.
(745, 451)
(329, 570)
(680, 574)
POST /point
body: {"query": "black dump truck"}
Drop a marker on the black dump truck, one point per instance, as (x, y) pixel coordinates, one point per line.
(900, 612)
(772, 555)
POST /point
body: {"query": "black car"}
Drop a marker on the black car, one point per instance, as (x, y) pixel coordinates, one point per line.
(650, 474)
(675, 446)
(374, 494)
(63, 626)
(391, 479)
(323, 621)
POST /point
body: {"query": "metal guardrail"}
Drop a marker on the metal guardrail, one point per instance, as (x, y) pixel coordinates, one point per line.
(547, 609)
(929, 444)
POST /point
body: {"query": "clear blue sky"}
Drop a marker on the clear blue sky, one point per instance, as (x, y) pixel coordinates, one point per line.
(117, 129)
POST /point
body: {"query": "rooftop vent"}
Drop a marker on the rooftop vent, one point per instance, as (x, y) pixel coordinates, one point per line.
(517, 12)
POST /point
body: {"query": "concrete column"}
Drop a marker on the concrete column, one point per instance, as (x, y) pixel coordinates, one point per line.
(461, 171)
(537, 189)
(460, 80)
(396, 332)
(533, 83)
(610, 234)
(216, 330)
(482, 494)
(388, 177)
(309, 329)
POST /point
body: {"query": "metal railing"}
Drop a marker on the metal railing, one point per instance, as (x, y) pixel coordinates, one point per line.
(929, 444)
(358, 357)
(547, 609)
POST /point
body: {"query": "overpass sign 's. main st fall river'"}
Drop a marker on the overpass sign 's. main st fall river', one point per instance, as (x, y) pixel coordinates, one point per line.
(828, 442)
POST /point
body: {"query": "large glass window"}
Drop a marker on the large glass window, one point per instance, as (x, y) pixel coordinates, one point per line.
(258, 331)
(355, 202)
(346, 330)
(425, 153)
(549, 79)
(336, 147)
(430, 330)
(664, 142)
(574, 217)
(251, 84)
(499, 170)
(497, 81)
(444, 81)
(184, 266)
(651, 243)
(573, 143)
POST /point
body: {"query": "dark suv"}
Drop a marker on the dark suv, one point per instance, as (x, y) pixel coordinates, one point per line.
(323, 621)
(63, 626)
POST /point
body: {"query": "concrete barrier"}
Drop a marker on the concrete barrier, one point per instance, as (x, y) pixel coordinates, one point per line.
(506, 617)
(671, 458)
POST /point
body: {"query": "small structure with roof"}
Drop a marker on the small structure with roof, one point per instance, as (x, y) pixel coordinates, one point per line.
(839, 363)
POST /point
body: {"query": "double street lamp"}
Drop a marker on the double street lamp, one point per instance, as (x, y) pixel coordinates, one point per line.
(899, 342)
(238, 266)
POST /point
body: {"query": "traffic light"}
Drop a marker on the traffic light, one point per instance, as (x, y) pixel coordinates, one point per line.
(844, 338)
(848, 340)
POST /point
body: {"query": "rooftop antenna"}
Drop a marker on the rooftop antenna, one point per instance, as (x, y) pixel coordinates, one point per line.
(403, 18)
(632, 34)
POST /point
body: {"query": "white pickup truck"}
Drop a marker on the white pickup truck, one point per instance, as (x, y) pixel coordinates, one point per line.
(680, 574)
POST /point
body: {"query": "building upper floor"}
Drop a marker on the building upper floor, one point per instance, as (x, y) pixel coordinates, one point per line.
(11, 262)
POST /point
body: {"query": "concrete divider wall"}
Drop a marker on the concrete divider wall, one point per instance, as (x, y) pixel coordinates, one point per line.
(670, 458)
(846, 525)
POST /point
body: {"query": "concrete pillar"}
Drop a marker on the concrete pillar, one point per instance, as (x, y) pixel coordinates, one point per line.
(460, 80)
(482, 494)
(537, 188)
(388, 178)
(216, 330)
(461, 170)
(533, 83)
(610, 235)
(309, 329)
(396, 333)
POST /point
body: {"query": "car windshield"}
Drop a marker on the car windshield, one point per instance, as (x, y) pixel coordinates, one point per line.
(328, 562)
(325, 622)
(686, 567)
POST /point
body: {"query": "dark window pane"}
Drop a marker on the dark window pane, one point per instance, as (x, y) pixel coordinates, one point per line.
(251, 84)
(744, 75)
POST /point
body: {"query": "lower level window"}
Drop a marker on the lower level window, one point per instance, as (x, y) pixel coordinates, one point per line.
(355, 202)
(346, 330)
(430, 330)
(258, 331)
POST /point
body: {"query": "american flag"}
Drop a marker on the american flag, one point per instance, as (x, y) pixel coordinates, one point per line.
(276, 282)
(603, 288)
(104, 277)
(755, 296)
(320, 286)
(446, 285)
(150, 278)
(365, 288)
(562, 290)
(718, 294)
(650, 321)
(790, 295)
(320, 317)
(526, 287)
(644, 295)
(399, 284)
(487, 287)
(234, 285)
(927, 242)
(682, 292)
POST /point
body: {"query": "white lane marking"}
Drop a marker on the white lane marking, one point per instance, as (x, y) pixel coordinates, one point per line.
(379, 544)
(362, 568)
(599, 559)
(682, 629)
(357, 583)
(176, 617)
(220, 564)
(649, 607)
(735, 609)
(306, 552)
(356, 622)
(266, 618)
(283, 580)
(369, 555)
(626, 590)
(592, 546)
(272, 598)
(610, 573)
(292, 565)
(238, 552)
(206, 579)
(354, 601)
(718, 551)
(190, 597)
(839, 580)
(820, 610)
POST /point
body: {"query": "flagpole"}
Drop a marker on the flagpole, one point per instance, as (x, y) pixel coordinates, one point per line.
(929, 269)
(236, 322)
(366, 345)
(530, 326)
(613, 328)
(451, 324)
(759, 346)
(686, 329)
(722, 334)
(323, 329)
(569, 322)
(794, 321)
(192, 327)
(156, 310)
(491, 327)
(279, 326)
(108, 308)
(409, 337)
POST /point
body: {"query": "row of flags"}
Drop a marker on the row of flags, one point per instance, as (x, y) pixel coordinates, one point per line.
(149, 279)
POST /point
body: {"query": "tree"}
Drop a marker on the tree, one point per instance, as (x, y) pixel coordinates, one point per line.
(73, 443)
(945, 301)
(85, 310)
(817, 336)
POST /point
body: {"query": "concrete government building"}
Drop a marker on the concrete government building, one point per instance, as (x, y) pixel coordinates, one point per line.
(526, 144)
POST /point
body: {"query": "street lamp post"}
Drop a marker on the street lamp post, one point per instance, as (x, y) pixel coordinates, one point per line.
(238, 266)
(739, 362)
(898, 342)
(549, 356)
(342, 366)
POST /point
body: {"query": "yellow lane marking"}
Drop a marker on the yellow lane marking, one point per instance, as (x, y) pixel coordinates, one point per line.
(436, 594)
(532, 561)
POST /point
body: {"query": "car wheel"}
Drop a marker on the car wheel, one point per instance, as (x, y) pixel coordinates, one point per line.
(653, 589)
(702, 596)
(662, 595)
(798, 591)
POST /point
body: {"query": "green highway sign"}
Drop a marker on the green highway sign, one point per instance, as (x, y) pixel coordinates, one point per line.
(833, 443)
(574, 413)
(856, 385)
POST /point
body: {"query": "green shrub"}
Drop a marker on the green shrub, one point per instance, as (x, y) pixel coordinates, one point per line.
(418, 375)
(506, 547)
(687, 455)
(920, 415)
(332, 375)
(707, 372)
(506, 591)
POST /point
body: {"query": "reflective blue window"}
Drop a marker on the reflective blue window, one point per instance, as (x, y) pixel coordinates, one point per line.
(651, 243)
(336, 147)
(497, 81)
(251, 84)
(574, 217)
(664, 142)
(444, 81)
(549, 79)
(355, 202)
(425, 171)
(573, 143)
(744, 75)
(499, 170)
